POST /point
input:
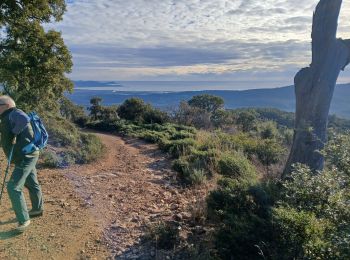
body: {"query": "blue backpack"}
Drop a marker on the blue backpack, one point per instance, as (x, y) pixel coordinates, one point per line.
(40, 134)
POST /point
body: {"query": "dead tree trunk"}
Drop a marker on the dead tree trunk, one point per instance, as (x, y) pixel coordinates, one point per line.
(314, 87)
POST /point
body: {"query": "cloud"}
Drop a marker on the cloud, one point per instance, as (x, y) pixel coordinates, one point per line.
(146, 38)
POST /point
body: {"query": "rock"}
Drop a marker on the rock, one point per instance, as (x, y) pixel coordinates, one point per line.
(174, 206)
(178, 217)
(186, 215)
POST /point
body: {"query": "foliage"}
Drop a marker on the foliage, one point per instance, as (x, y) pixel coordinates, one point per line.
(241, 208)
(50, 159)
(326, 197)
(337, 152)
(33, 62)
(269, 151)
(247, 120)
(102, 113)
(236, 165)
(134, 109)
(91, 148)
(209, 103)
(300, 234)
(268, 130)
(73, 112)
(165, 235)
(192, 116)
(74, 146)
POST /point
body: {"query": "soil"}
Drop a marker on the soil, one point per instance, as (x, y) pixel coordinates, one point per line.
(103, 210)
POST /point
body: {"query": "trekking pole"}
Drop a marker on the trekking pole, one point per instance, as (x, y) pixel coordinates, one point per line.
(8, 166)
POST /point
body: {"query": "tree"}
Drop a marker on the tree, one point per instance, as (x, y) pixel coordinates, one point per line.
(207, 102)
(247, 119)
(133, 109)
(314, 87)
(33, 62)
(96, 107)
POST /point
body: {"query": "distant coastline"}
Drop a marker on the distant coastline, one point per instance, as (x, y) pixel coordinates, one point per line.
(282, 98)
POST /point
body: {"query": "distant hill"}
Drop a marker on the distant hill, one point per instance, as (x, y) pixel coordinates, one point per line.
(282, 98)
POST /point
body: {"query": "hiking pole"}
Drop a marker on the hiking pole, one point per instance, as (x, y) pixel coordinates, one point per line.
(8, 166)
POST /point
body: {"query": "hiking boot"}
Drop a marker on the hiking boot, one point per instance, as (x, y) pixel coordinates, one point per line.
(22, 227)
(35, 213)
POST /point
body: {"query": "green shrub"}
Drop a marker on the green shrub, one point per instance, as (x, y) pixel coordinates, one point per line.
(181, 147)
(91, 148)
(269, 151)
(207, 160)
(61, 131)
(300, 235)
(268, 130)
(50, 159)
(236, 166)
(242, 209)
(197, 177)
(155, 116)
(189, 171)
(165, 235)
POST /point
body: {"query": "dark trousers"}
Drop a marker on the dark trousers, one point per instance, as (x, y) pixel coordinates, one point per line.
(25, 175)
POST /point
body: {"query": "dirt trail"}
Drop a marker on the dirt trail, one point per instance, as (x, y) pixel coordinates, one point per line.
(100, 210)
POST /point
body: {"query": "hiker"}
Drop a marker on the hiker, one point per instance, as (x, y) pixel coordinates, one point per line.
(15, 124)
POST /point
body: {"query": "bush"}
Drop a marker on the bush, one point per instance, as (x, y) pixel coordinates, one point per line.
(133, 109)
(236, 166)
(50, 159)
(268, 130)
(91, 148)
(300, 235)
(165, 235)
(61, 131)
(73, 112)
(241, 208)
(155, 116)
(181, 147)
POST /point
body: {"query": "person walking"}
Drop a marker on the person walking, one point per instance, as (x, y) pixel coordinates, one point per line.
(15, 126)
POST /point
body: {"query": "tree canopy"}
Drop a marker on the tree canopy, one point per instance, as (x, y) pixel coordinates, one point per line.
(33, 62)
(207, 102)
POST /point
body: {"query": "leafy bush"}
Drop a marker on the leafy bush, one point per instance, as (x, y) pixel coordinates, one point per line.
(209, 103)
(269, 151)
(155, 116)
(77, 147)
(91, 148)
(50, 159)
(181, 147)
(326, 197)
(268, 130)
(236, 166)
(241, 208)
(300, 234)
(61, 131)
(133, 109)
(165, 235)
(73, 112)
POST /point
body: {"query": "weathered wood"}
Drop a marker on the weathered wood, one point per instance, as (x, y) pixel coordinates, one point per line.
(314, 87)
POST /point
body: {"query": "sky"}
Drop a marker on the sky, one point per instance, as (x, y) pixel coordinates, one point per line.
(251, 42)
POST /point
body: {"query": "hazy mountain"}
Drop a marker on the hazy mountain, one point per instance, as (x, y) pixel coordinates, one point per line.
(282, 98)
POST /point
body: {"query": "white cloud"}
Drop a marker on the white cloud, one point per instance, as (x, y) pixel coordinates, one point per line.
(141, 38)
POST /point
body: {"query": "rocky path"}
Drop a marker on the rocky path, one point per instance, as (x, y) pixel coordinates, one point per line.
(101, 210)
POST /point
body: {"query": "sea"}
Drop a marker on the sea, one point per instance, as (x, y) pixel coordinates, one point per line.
(162, 94)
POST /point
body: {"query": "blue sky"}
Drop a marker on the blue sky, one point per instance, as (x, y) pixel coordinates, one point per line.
(253, 41)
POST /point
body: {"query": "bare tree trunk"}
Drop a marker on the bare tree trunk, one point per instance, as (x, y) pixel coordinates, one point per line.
(314, 87)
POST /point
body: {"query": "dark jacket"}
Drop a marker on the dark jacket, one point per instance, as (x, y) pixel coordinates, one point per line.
(15, 122)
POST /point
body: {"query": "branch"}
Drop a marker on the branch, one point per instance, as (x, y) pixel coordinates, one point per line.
(324, 27)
